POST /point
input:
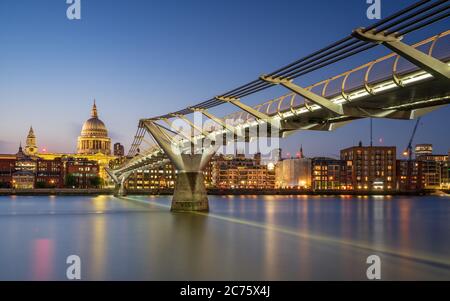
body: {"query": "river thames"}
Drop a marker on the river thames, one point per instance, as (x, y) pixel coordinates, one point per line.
(242, 238)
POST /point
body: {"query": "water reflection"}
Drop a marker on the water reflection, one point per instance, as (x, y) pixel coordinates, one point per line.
(42, 259)
(378, 221)
(304, 252)
(99, 203)
(243, 238)
(404, 235)
(98, 245)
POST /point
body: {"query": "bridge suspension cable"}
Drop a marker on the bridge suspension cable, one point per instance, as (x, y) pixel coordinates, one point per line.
(138, 137)
(350, 46)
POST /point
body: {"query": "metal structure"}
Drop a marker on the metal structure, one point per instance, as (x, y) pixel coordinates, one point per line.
(408, 150)
(398, 93)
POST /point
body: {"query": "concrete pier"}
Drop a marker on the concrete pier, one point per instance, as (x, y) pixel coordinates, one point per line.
(120, 190)
(190, 193)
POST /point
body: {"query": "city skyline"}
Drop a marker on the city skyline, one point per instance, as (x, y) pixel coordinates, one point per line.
(291, 150)
(130, 66)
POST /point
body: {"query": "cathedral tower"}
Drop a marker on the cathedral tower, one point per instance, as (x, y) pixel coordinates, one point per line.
(30, 146)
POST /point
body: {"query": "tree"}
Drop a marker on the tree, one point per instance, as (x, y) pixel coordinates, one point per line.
(41, 185)
(5, 185)
(71, 180)
(95, 182)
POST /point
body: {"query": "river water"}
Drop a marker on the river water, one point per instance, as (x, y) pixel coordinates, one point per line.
(242, 238)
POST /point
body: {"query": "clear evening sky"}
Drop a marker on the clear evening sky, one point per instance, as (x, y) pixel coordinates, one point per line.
(141, 58)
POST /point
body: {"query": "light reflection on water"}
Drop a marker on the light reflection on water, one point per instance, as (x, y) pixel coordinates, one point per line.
(242, 238)
(42, 252)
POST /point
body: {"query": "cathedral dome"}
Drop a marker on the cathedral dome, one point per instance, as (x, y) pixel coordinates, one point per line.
(94, 127)
(94, 136)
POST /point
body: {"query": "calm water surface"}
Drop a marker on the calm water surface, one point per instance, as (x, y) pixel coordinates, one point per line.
(242, 238)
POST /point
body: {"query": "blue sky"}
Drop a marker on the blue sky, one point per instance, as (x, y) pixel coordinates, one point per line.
(141, 58)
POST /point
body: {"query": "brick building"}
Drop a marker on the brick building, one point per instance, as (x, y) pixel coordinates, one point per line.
(371, 168)
(240, 172)
(7, 168)
(329, 174)
(409, 175)
(82, 173)
(50, 173)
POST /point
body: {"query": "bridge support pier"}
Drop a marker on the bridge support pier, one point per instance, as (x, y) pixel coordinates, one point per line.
(120, 183)
(120, 190)
(190, 193)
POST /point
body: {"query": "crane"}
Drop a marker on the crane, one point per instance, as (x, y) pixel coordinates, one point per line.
(408, 151)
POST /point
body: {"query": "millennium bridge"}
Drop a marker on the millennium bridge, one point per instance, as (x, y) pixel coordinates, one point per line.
(407, 83)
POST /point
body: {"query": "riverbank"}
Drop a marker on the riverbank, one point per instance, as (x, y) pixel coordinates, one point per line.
(57, 191)
(68, 191)
(328, 192)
